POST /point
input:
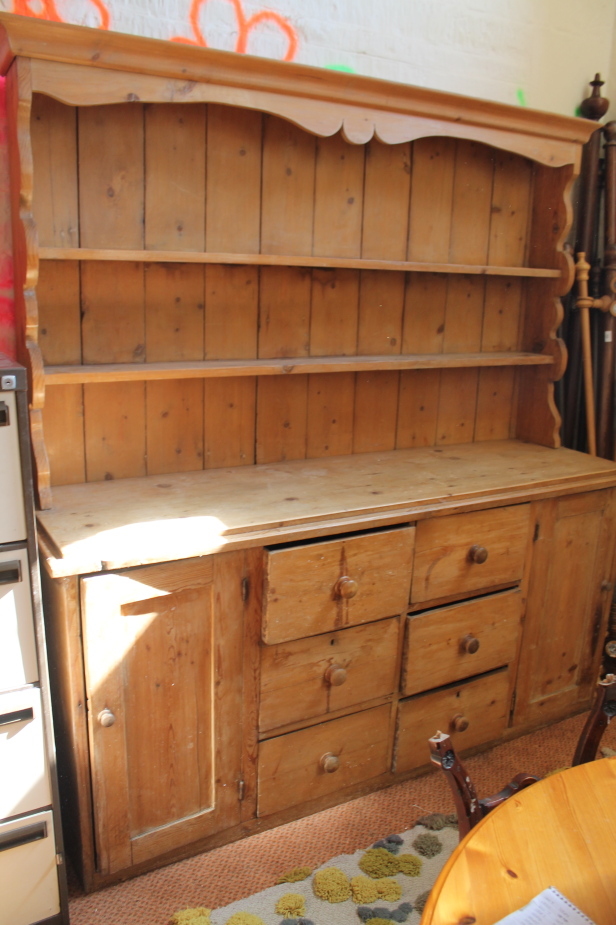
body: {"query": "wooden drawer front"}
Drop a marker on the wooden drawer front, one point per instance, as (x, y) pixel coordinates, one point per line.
(292, 767)
(483, 703)
(28, 871)
(445, 547)
(319, 675)
(304, 594)
(18, 665)
(24, 783)
(446, 645)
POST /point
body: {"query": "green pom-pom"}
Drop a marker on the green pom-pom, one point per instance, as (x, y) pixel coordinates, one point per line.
(291, 906)
(245, 918)
(428, 845)
(199, 916)
(332, 885)
(295, 875)
(410, 865)
(421, 901)
(378, 863)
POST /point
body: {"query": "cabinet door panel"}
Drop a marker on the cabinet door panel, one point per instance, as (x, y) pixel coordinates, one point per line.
(567, 606)
(168, 683)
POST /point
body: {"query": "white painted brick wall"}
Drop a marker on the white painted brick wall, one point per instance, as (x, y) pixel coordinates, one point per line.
(546, 50)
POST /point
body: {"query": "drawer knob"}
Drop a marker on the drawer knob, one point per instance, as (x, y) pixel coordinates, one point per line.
(335, 675)
(459, 723)
(346, 588)
(469, 644)
(106, 717)
(330, 762)
(478, 554)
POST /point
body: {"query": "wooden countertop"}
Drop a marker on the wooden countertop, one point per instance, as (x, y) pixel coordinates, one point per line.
(105, 525)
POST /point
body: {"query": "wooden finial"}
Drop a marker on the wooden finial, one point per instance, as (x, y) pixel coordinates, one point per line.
(595, 106)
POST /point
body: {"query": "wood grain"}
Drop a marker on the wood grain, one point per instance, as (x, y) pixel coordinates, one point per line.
(442, 562)
(300, 584)
(435, 653)
(290, 770)
(484, 702)
(294, 684)
(568, 815)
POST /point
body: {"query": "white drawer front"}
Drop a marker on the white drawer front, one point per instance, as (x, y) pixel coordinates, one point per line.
(13, 520)
(24, 781)
(28, 873)
(17, 646)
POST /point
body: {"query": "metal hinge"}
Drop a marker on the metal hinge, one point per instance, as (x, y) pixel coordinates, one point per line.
(241, 790)
(245, 589)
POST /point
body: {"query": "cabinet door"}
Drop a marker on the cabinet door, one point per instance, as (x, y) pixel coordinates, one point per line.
(163, 656)
(568, 602)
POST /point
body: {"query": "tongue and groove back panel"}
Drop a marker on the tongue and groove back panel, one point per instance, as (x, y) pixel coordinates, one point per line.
(193, 177)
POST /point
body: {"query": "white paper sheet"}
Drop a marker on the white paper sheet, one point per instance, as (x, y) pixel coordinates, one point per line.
(548, 908)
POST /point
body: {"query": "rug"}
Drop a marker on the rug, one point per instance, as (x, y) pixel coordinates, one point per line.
(384, 883)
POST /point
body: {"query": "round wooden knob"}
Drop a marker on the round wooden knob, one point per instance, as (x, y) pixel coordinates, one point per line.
(469, 644)
(335, 675)
(459, 723)
(346, 588)
(330, 762)
(478, 554)
(106, 717)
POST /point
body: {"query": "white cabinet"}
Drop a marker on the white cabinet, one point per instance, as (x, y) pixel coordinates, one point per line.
(32, 879)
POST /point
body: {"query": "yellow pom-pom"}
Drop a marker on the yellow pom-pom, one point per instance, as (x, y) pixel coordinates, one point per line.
(245, 918)
(199, 916)
(378, 862)
(291, 906)
(332, 885)
(389, 890)
(295, 875)
(363, 890)
(410, 865)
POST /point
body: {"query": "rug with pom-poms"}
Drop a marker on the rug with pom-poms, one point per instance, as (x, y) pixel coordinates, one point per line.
(385, 883)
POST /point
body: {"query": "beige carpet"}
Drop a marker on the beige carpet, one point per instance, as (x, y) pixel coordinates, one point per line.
(227, 874)
(387, 882)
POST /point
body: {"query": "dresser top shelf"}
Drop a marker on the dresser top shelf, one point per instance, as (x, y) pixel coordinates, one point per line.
(291, 260)
(115, 524)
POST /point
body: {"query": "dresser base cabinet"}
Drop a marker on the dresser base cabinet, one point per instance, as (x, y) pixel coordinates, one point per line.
(301, 495)
(569, 598)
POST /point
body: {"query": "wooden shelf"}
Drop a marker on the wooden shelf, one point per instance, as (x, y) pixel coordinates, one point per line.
(276, 260)
(207, 369)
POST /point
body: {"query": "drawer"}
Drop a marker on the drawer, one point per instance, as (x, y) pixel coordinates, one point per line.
(13, 520)
(319, 675)
(319, 587)
(24, 782)
(28, 871)
(312, 763)
(466, 552)
(472, 712)
(18, 665)
(459, 641)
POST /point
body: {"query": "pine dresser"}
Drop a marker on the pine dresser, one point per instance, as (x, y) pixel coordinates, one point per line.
(291, 337)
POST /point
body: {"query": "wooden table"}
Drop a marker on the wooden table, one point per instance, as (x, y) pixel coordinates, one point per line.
(559, 832)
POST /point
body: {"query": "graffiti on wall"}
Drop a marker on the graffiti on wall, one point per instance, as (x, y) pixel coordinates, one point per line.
(245, 26)
(47, 9)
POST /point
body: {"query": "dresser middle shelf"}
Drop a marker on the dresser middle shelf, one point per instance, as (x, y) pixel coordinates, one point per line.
(279, 366)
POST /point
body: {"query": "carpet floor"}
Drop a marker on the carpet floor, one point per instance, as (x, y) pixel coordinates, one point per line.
(221, 876)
